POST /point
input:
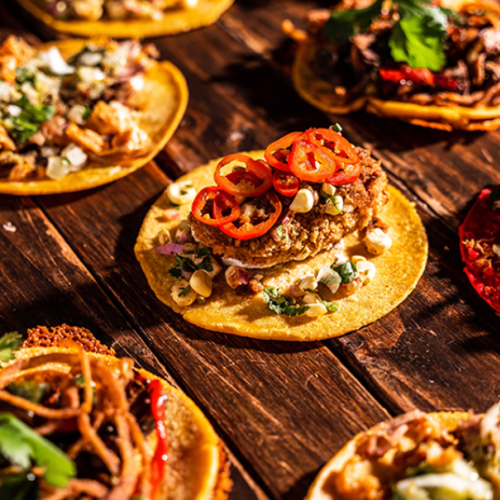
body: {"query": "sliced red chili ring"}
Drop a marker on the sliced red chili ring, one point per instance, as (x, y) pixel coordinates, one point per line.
(310, 162)
(276, 153)
(347, 174)
(285, 183)
(211, 206)
(341, 149)
(247, 230)
(242, 184)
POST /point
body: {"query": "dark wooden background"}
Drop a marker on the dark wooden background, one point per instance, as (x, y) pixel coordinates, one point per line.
(282, 409)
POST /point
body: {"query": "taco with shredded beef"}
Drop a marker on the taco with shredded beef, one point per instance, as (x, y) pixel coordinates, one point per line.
(126, 18)
(480, 246)
(303, 241)
(77, 114)
(431, 64)
(84, 426)
(417, 456)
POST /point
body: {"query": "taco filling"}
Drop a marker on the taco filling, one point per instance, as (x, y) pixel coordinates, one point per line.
(95, 10)
(408, 51)
(480, 246)
(419, 456)
(80, 426)
(311, 190)
(57, 116)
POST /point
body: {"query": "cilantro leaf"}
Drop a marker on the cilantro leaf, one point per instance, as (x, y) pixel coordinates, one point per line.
(345, 23)
(347, 271)
(282, 304)
(9, 343)
(20, 445)
(29, 389)
(185, 291)
(186, 264)
(419, 42)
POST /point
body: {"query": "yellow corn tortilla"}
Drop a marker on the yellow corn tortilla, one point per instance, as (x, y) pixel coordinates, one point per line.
(197, 464)
(175, 20)
(321, 488)
(321, 93)
(162, 104)
(398, 271)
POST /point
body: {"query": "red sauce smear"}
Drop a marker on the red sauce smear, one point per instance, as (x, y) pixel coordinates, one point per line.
(478, 233)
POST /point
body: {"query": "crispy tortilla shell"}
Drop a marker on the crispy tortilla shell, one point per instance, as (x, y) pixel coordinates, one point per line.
(323, 95)
(321, 488)
(175, 20)
(162, 104)
(197, 464)
(398, 271)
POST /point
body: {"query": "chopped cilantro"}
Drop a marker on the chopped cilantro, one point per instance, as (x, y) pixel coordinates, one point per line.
(9, 343)
(203, 252)
(186, 264)
(29, 120)
(185, 291)
(86, 113)
(21, 445)
(282, 304)
(331, 306)
(29, 389)
(281, 232)
(183, 191)
(24, 75)
(347, 271)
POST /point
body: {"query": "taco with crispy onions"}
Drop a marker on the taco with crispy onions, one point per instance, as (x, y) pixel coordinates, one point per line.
(431, 64)
(77, 425)
(304, 241)
(77, 114)
(126, 18)
(417, 456)
(480, 246)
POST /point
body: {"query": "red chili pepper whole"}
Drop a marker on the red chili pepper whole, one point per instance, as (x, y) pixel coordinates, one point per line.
(159, 462)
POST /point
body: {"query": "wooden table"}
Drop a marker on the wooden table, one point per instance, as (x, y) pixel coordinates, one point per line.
(282, 409)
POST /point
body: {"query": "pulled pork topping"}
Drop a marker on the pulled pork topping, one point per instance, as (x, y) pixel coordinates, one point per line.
(410, 51)
(56, 116)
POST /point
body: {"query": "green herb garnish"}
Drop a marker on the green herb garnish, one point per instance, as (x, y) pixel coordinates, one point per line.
(417, 37)
(331, 306)
(9, 344)
(281, 232)
(29, 120)
(21, 445)
(186, 264)
(282, 304)
(29, 389)
(185, 291)
(336, 128)
(347, 271)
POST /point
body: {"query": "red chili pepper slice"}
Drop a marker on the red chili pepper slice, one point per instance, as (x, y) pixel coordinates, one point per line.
(247, 230)
(478, 233)
(277, 152)
(420, 76)
(211, 206)
(341, 149)
(346, 175)
(310, 162)
(244, 185)
(285, 183)
(159, 462)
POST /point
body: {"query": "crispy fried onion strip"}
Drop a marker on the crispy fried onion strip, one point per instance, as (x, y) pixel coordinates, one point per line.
(98, 407)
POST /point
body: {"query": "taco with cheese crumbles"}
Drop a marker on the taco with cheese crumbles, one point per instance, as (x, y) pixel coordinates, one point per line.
(433, 64)
(480, 246)
(83, 426)
(303, 241)
(77, 114)
(417, 456)
(126, 18)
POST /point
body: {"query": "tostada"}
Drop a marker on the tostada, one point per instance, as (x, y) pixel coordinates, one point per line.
(480, 246)
(434, 64)
(77, 114)
(417, 456)
(126, 18)
(85, 426)
(303, 241)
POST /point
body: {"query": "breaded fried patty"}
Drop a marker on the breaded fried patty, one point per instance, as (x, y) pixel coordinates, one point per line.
(307, 233)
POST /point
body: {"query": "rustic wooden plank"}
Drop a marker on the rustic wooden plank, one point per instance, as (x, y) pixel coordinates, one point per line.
(274, 403)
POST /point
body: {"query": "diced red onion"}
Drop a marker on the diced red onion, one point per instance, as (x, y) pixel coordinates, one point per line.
(186, 274)
(275, 237)
(242, 276)
(287, 218)
(169, 249)
(183, 237)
